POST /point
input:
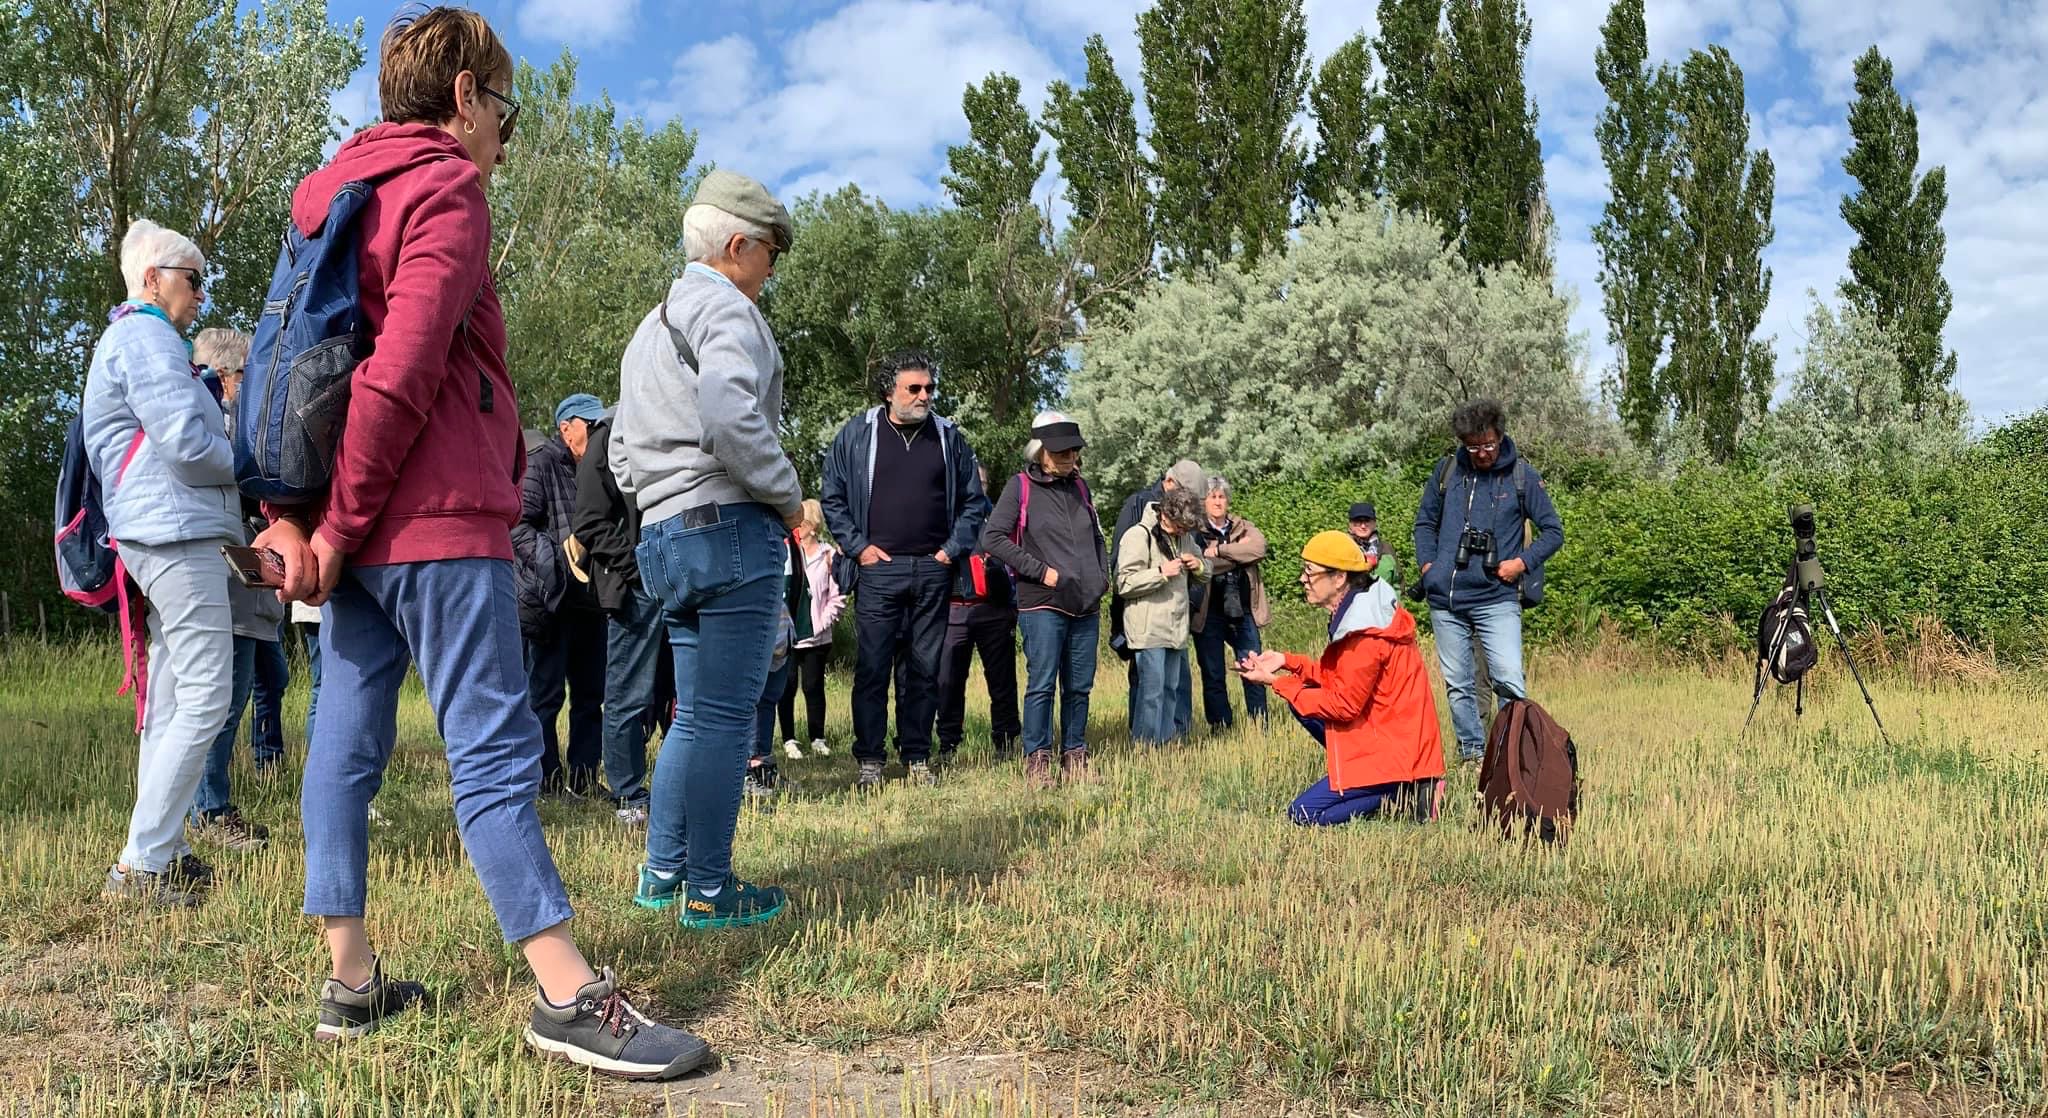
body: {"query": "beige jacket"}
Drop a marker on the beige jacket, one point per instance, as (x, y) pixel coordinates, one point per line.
(1245, 548)
(1155, 606)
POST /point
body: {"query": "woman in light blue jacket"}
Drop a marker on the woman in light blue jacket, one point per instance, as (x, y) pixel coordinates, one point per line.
(159, 444)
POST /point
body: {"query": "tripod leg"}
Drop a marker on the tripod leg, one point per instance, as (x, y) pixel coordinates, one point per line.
(1827, 609)
(1756, 698)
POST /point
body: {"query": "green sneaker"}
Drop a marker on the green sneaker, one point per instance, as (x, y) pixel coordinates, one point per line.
(738, 904)
(655, 891)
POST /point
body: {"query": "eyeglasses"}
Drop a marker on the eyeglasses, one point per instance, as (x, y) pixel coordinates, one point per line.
(927, 388)
(198, 281)
(510, 120)
(774, 252)
(1482, 448)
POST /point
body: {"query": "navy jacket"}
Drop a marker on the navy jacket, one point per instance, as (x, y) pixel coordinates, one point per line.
(850, 475)
(1489, 502)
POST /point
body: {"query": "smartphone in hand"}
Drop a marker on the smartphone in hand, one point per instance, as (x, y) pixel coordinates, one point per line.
(255, 568)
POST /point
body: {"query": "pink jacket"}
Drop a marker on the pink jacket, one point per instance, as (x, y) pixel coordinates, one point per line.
(827, 602)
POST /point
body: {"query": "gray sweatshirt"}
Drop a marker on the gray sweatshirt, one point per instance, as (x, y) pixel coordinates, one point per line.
(683, 438)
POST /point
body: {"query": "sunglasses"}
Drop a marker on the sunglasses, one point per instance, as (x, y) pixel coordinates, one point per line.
(198, 281)
(774, 253)
(510, 120)
(925, 389)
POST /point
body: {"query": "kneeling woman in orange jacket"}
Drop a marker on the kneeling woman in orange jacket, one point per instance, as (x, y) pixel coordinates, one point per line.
(1366, 701)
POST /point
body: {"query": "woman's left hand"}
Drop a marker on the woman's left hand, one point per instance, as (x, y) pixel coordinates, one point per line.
(1262, 667)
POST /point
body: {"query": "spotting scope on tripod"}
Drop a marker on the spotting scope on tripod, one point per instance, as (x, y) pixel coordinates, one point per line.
(1786, 648)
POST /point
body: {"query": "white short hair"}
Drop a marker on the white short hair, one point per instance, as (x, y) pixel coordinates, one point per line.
(149, 245)
(708, 229)
(1036, 447)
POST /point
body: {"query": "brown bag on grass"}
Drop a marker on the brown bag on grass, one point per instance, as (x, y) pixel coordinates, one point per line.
(1530, 778)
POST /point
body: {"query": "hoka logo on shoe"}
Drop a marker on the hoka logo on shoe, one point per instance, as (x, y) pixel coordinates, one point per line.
(700, 906)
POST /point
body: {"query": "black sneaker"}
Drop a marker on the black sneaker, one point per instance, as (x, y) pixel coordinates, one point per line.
(157, 890)
(760, 782)
(603, 1032)
(192, 871)
(943, 759)
(346, 1013)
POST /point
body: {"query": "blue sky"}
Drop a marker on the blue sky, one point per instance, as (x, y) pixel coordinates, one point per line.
(812, 94)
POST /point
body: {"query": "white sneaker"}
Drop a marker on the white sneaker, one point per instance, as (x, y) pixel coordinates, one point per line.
(794, 751)
(819, 748)
(632, 817)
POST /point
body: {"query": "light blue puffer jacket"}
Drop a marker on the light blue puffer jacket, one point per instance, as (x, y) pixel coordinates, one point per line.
(181, 484)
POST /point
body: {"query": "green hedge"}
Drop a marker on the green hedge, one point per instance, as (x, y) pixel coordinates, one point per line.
(1689, 562)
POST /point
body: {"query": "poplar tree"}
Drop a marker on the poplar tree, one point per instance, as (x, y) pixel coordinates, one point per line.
(1224, 81)
(1347, 155)
(1094, 130)
(1634, 234)
(1895, 267)
(1720, 373)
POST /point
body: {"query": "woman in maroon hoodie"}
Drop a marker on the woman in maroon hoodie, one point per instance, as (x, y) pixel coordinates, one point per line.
(411, 552)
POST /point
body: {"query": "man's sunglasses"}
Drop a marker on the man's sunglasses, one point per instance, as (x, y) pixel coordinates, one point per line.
(774, 252)
(511, 120)
(926, 388)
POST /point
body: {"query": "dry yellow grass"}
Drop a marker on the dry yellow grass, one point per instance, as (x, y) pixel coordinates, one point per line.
(1796, 922)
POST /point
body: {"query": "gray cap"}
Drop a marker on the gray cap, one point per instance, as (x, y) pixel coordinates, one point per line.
(747, 200)
(1189, 476)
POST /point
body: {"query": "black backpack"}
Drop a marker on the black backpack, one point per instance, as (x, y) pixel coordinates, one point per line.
(1785, 645)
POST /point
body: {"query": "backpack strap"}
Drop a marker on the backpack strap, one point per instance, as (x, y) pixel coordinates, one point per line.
(687, 355)
(1023, 508)
(1517, 725)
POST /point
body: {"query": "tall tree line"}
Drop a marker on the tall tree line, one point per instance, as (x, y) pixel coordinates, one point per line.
(1682, 235)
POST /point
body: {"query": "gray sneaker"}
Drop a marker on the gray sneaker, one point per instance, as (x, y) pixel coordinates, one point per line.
(346, 1013)
(602, 1031)
(920, 773)
(870, 775)
(157, 890)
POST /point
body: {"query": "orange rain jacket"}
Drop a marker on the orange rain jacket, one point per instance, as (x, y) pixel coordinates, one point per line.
(1371, 692)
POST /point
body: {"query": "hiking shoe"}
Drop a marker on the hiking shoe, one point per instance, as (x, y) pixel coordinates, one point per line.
(738, 904)
(156, 890)
(1038, 770)
(870, 775)
(230, 830)
(346, 1013)
(632, 816)
(191, 870)
(920, 773)
(760, 782)
(656, 891)
(792, 750)
(944, 758)
(819, 748)
(1074, 766)
(603, 1032)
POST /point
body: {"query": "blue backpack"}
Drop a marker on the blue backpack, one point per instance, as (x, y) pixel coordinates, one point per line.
(88, 569)
(311, 337)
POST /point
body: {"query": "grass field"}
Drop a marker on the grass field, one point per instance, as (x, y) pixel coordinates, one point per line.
(1798, 922)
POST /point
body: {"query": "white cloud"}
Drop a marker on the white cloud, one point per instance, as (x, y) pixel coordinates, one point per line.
(582, 23)
(870, 95)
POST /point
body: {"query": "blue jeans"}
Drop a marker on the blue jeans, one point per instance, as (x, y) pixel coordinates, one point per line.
(633, 639)
(1162, 683)
(1243, 638)
(273, 679)
(309, 632)
(214, 792)
(458, 619)
(1499, 629)
(1058, 651)
(720, 588)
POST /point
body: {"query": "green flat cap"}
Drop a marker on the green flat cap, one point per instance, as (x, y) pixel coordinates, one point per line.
(747, 200)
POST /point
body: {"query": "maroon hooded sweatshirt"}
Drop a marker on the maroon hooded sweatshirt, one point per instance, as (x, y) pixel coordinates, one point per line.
(431, 458)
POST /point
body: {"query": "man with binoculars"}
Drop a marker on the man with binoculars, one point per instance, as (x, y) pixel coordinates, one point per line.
(1483, 533)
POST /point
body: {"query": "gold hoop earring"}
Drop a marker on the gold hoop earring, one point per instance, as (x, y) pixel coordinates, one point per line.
(469, 128)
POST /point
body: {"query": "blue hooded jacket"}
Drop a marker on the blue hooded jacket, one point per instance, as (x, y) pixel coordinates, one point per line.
(1488, 501)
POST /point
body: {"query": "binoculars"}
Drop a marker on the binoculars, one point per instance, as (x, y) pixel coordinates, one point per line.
(1474, 541)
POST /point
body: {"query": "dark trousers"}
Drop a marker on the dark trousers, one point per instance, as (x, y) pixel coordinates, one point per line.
(568, 665)
(1243, 637)
(993, 632)
(809, 676)
(899, 614)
